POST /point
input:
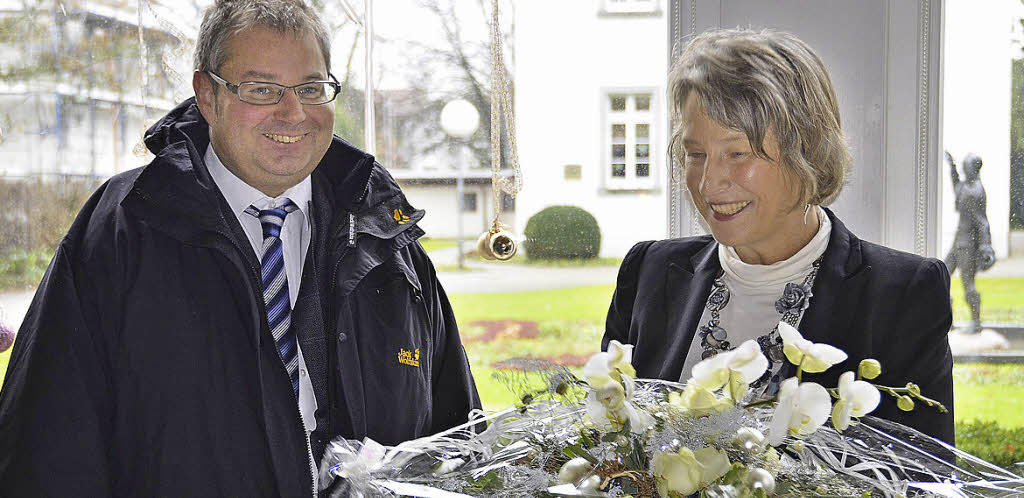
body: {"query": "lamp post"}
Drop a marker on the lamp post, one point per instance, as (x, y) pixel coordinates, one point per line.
(459, 119)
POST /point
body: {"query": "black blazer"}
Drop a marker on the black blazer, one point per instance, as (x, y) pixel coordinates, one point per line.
(868, 300)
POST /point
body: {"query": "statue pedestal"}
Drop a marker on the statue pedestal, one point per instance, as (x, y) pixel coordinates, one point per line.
(987, 340)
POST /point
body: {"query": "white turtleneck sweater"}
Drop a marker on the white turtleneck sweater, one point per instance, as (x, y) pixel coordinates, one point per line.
(753, 290)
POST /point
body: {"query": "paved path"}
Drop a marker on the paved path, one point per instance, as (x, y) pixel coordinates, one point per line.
(491, 277)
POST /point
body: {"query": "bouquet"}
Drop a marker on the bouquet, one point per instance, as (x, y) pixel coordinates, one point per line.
(610, 434)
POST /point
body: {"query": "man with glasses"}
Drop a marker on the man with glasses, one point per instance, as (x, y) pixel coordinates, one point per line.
(213, 319)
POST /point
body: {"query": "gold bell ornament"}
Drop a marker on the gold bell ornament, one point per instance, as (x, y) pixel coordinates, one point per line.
(497, 244)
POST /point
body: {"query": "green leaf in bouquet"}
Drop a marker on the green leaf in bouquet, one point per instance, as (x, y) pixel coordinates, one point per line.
(611, 437)
(638, 458)
(487, 483)
(587, 439)
(737, 475)
(576, 450)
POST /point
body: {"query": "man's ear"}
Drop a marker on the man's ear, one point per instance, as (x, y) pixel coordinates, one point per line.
(206, 100)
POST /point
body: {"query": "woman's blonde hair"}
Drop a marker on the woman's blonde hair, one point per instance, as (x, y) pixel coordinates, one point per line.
(755, 81)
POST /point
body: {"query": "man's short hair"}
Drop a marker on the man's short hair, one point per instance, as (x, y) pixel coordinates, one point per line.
(227, 17)
(756, 81)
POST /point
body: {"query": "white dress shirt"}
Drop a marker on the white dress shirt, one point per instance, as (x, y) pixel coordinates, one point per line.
(295, 235)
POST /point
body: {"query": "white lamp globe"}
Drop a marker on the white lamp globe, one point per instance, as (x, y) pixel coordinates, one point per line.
(459, 119)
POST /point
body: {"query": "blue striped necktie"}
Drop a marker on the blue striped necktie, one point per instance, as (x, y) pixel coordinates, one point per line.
(275, 287)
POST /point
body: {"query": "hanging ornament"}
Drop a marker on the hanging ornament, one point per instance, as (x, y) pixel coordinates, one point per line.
(498, 243)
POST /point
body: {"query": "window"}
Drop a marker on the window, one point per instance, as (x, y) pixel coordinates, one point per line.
(508, 203)
(573, 171)
(628, 136)
(469, 202)
(630, 7)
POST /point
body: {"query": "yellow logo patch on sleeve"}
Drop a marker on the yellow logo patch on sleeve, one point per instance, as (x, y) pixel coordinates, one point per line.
(411, 358)
(400, 217)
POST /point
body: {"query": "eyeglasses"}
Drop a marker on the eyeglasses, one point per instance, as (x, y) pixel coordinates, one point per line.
(265, 93)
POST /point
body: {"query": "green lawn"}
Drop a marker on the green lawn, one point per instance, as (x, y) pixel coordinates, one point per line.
(432, 244)
(569, 321)
(588, 303)
(1002, 299)
(4, 358)
(989, 392)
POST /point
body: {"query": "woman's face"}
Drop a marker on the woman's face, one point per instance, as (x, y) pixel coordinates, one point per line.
(748, 202)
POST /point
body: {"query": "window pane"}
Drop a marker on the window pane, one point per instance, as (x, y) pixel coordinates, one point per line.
(643, 151)
(643, 102)
(643, 169)
(619, 170)
(619, 132)
(573, 171)
(643, 132)
(618, 102)
(469, 202)
(618, 151)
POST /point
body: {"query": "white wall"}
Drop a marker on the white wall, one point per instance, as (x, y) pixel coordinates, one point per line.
(439, 202)
(976, 112)
(567, 56)
(30, 143)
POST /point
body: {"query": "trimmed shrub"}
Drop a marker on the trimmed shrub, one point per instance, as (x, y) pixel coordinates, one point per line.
(990, 441)
(562, 232)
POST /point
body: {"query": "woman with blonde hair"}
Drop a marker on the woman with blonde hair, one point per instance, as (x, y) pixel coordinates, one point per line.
(757, 137)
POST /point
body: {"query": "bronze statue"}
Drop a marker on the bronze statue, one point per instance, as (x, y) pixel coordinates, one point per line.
(972, 248)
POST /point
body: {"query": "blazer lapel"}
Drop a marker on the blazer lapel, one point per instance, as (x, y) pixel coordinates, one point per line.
(687, 286)
(836, 293)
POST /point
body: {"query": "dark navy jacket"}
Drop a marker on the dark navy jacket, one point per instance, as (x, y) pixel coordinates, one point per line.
(145, 366)
(868, 300)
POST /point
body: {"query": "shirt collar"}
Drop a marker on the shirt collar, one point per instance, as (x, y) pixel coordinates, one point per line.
(241, 195)
(792, 268)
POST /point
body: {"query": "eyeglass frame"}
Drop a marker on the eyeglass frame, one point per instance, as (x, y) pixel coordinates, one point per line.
(234, 88)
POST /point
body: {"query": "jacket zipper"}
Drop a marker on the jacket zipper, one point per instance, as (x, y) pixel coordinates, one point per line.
(298, 412)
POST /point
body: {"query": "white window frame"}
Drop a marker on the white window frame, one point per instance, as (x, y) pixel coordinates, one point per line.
(631, 117)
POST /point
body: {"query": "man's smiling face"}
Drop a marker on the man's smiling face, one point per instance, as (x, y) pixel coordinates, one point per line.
(271, 147)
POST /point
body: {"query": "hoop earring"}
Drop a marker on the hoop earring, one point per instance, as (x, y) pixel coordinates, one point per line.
(807, 208)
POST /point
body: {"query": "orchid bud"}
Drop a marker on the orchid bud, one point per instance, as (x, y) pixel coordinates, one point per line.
(914, 389)
(592, 483)
(869, 368)
(905, 403)
(574, 470)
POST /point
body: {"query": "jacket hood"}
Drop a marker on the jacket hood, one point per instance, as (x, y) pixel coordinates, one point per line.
(176, 125)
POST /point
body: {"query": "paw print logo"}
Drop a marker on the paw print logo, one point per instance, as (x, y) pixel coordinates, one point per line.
(400, 217)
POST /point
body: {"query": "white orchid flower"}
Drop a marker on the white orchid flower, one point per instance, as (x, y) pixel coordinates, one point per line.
(711, 373)
(856, 399)
(609, 411)
(685, 472)
(612, 364)
(610, 376)
(811, 357)
(698, 401)
(802, 409)
(734, 369)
